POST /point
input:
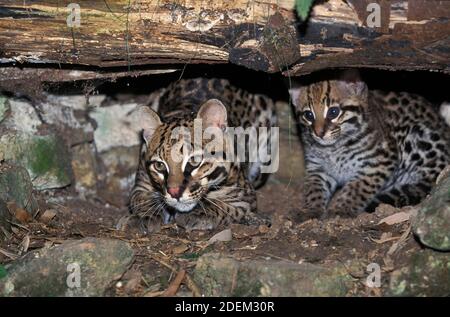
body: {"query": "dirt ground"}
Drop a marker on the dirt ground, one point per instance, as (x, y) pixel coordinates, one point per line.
(159, 256)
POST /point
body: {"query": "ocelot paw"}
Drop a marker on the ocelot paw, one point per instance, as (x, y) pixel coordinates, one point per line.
(151, 225)
(307, 212)
(256, 220)
(341, 210)
(194, 222)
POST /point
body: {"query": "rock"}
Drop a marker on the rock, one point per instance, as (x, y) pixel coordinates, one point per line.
(84, 167)
(84, 267)
(432, 222)
(427, 274)
(116, 126)
(23, 117)
(4, 107)
(44, 156)
(16, 186)
(67, 121)
(291, 168)
(16, 194)
(76, 102)
(219, 275)
(119, 167)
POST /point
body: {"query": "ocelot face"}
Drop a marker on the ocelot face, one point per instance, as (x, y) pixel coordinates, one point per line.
(330, 110)
(182, 173)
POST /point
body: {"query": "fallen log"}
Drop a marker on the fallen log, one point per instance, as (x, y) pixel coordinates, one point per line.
(119, 36)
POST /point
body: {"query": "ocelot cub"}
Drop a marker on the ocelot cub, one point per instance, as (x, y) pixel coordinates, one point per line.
(364, 147)
(196, 187)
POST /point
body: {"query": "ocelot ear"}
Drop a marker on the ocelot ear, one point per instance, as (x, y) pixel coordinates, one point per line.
(213, 114)
(148, 121)
(351, 84)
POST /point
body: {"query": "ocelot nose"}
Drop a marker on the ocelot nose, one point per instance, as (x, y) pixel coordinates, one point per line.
(319, 130)
(175, 192)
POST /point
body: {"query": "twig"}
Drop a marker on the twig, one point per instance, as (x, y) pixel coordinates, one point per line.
(189, 281)
(172, 289)
(8, 254)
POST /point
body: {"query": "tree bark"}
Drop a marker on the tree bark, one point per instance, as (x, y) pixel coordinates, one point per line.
(121, 36)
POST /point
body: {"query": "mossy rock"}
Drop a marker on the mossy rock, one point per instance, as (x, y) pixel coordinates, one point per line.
(84, 267)
(45, 157)
(220, 275)
(432, 223)
(16, 186)
(427, 274)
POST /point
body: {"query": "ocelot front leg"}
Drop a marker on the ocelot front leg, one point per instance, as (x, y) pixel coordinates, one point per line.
(317, 191)
(356, 195)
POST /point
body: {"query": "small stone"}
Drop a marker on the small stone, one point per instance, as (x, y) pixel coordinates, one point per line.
(223, 236)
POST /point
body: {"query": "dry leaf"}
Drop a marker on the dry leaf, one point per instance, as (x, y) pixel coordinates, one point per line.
(385, 237)
(122, 224)
(25, 244)
(133, 282)
(263, 229)
(47, 216)
(179, 249)
(19, 213)
(396, 245)
(223, 236)
(398, 217)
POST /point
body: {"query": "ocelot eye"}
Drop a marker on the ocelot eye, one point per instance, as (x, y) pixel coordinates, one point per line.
(195, 161)
(333, 113)
(159, 166)
(308, 115)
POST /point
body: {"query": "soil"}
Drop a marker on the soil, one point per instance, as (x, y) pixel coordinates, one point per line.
(353, 242)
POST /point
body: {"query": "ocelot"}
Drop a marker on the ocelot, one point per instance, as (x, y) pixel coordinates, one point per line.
(363, 147)
(175, 182)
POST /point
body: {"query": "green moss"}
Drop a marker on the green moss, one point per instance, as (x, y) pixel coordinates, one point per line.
(2, 271)
(247, 287)
(44, 159)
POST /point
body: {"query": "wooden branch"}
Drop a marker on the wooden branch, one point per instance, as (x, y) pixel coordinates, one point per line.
(263, 35)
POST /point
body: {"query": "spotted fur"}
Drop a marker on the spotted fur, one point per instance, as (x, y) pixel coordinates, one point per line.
(365, 147)
(193, 192)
